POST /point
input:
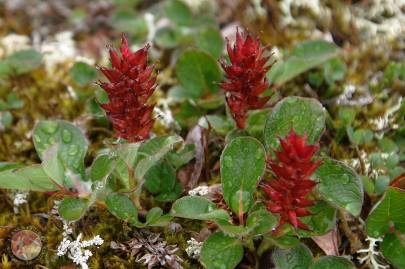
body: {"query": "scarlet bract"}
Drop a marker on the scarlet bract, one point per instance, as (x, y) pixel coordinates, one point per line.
(289, 190)
(131, 83)
(246, 77)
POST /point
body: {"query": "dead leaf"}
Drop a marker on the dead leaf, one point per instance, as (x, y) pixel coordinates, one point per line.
(328, 242)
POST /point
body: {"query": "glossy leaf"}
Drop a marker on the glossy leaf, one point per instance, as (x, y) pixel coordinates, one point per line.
(31, 178)
(393, 249)
(322, 220)
(304, 115)
(340, 185)
(199, 208)
(101, 167)
(72, 144)
(221, 252)
(152, 151)
(198, 72)
(389, 212)
(178, 12)
(82, 73)
(161, 180)
(332, 262)
(242, 165)
(20, 62)
(298, 257)
(72, 208)
(305, 56)
(261, 221)
(211, 41)
(122, 207)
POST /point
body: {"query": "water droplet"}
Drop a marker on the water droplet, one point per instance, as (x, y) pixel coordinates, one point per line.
(352, 207)
(50, 127)
(228, 161)
(259, 154)
(51, 140)
(345, 179)
(73, 150)
(37, 138)
(66, 136)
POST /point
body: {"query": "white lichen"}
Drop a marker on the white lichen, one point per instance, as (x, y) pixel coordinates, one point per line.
(12, 43)
(199, 191)
(373, 256)
(60, 49)
(19, 198)
(75, 249)
(193, 249)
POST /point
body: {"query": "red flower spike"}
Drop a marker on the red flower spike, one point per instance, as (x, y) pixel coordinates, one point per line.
(292, 169)
(130, 85)
(246, 77)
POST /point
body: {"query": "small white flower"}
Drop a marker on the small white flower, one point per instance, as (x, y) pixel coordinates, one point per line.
(193, 249)
(199, 191)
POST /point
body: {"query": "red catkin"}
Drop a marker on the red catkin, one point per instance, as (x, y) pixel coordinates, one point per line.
(289, 189)
(246, 77)
(131, 83)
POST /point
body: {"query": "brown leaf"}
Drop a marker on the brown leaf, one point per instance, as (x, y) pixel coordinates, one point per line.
(198, 137)
(328, 242)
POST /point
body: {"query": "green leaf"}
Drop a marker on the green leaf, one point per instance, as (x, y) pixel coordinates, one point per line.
(6, 120)
(152, 151)
(198, 72)
(221, 252)
(285, 241)
(122, 207)
(54, 167)
(389, 212)
(128, 21)
(242, 165)
(9, 165)
(361, 137)
(168, 37)
(298, 257)
(211, 41)
(72, 144)
(179, 158)
(305, 56)
(334, 70)
(332, 262)
(393, 249)
(72, 208)
(101, 167)
(82, 73)
(222, 125)
(261, 221)
(304, 115)
(21, 62)
(340, 185)
(161, 180)
(322, 220)
(31, 178)
(198, 208)
(178, 12)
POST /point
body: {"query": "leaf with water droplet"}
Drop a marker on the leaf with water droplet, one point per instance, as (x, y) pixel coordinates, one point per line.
(66, 136)
(221, 252)
(304, 115)
(242, 165)
(298, 257)
(387, 213)
(72, 144)
(340, 185)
